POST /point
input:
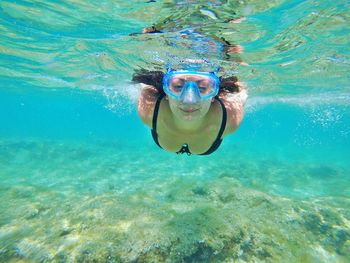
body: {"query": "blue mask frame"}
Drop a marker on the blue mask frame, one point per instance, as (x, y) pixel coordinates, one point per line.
(191, 88)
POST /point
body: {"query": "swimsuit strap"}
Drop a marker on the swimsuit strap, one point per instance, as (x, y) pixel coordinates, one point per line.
(218, 139)
(184, 148)
(154, 119)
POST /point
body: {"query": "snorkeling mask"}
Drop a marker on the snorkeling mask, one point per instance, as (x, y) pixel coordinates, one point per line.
(191, 84)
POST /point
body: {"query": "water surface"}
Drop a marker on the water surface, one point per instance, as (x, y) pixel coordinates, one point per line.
(82, 180)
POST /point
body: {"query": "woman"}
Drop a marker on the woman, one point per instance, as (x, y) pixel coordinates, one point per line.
(190, 112)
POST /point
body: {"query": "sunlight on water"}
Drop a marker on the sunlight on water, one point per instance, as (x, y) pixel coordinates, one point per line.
(82, 180)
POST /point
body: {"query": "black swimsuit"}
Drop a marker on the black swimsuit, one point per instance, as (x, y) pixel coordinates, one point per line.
(184, 148)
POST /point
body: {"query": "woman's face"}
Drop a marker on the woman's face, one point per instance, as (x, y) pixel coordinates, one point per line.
(189, 109)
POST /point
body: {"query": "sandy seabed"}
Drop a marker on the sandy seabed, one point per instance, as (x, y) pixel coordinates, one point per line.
(160, 219)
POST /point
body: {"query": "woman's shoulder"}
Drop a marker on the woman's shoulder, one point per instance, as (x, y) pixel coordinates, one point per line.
(146, 103)
(234, 105)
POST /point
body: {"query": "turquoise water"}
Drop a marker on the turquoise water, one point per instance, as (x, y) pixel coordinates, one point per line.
(82, 180)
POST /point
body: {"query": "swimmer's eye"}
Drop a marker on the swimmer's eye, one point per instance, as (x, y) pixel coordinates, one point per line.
(177, 87)
(202, 89)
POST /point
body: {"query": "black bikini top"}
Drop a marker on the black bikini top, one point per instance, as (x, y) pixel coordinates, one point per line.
(184, 148)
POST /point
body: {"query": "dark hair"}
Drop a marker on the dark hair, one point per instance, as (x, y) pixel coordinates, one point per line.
(229, 84)
(155, 78)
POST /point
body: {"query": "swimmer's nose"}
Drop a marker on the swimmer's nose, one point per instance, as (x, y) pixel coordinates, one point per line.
(190, 98)
(190, 95)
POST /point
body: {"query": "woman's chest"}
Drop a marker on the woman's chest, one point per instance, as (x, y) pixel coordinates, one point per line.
(197, 142)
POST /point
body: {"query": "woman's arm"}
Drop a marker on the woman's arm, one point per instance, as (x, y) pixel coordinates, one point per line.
(146, 103)
(234, 103)
(151, 83)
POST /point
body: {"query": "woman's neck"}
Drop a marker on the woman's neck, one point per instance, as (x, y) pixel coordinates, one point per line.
(183, 125)
(189, 126)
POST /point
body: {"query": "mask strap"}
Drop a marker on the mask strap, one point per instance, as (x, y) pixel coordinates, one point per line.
(215, 71)
(168, 68)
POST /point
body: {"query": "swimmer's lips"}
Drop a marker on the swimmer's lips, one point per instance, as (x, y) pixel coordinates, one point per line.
(189, 110)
